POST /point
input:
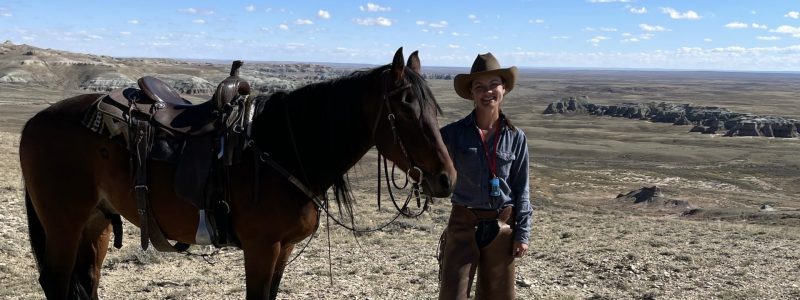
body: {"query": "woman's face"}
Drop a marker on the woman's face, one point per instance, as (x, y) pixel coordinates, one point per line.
(487, 92)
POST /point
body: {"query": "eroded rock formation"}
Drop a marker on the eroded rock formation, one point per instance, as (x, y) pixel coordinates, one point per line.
(703, 119)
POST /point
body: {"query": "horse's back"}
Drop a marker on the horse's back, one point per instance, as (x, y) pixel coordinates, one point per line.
(65, 112)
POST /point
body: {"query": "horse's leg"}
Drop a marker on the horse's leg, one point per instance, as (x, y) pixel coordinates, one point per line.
(280, 266)
(61, 248)
(92, 251)
(260, 259)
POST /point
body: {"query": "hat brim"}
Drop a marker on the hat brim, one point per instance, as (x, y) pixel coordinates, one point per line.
(463, 82)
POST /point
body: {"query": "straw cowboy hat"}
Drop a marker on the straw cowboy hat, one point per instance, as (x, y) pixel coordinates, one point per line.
(485, 64)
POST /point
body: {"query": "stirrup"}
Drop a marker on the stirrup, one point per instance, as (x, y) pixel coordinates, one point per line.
(203, 235)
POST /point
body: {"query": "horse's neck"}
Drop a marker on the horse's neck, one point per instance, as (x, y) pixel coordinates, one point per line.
(327, 135)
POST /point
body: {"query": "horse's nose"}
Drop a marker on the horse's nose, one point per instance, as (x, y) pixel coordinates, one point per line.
(445, 184)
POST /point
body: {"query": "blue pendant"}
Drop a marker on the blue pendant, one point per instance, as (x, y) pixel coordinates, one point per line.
(494, 183)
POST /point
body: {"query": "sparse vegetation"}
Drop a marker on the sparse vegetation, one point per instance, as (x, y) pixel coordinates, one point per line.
(583, 245)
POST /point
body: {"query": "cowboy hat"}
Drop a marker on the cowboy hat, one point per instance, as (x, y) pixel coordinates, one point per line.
(485, 64)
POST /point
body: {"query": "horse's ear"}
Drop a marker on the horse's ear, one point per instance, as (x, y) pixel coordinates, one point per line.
(413, 62)
(397, 64)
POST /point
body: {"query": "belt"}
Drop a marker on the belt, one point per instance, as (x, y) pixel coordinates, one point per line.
(485, 213)
(482, 213)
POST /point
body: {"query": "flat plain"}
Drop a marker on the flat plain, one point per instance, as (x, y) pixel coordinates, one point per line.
(738, 240)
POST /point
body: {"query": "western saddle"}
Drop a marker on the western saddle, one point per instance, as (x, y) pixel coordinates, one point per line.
(201, 140)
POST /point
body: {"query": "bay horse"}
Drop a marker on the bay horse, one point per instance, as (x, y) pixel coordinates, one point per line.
(74, 176)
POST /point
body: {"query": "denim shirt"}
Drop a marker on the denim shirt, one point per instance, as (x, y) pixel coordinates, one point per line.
(472, 183)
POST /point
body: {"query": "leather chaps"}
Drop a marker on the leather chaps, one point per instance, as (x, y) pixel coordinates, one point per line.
(477, 240)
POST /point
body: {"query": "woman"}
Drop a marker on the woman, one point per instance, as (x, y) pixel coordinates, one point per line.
(490, 221)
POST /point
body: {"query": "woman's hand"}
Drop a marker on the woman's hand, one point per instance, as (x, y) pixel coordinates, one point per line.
(519, 249)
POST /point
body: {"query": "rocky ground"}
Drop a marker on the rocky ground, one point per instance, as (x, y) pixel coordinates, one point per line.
(736, 238)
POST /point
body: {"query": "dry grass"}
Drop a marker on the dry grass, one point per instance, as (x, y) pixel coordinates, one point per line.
(583, 244)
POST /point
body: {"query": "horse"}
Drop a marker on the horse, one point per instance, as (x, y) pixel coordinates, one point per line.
(74, 177)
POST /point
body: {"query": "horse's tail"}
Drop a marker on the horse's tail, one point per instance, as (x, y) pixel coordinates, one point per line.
(35, 231)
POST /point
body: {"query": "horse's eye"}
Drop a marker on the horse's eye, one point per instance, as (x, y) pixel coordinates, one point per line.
(407, 99)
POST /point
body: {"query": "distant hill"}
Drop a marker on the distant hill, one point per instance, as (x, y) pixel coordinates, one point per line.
(24, 64)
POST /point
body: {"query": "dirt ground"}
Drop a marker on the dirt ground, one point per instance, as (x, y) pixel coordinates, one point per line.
(584, 244)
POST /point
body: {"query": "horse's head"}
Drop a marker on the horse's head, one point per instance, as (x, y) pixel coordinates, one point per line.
(406, 128)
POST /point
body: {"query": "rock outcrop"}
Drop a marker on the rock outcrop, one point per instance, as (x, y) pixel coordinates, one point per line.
(652, 197)
(187, 84)
(703, 119)
(107, 82)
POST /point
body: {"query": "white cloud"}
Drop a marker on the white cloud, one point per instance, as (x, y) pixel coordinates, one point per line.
(304, 22)
(630, 40)
(4, 12)
(736, 25)
(768, 38)
(374, 7)
(195, 11)
(675, 14)
(652, 28)
(134, 22)
(88, 36)
(283, 27)
(452, 46)
(707, 40)
(537, 21)
(379, 21)
(597, 39)
(606, 29)
(560, 37)
(199, 21)
(793, 15)
(646, 36)
(440, 24)
(324, 14)
(250, 8)
(642, 10)
(794, 31)
(125, 33)
(728, 58)
(758, 26)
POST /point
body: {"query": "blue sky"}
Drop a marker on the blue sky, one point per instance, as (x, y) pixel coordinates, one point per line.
(705, 34)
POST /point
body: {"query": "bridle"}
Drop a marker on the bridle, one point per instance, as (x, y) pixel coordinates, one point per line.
(415, 187)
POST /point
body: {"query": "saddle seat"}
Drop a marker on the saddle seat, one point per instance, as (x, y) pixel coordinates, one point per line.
(167, 109)
(172, 112)
(157, 90)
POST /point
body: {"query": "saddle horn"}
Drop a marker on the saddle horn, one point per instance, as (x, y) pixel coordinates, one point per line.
(228, 89)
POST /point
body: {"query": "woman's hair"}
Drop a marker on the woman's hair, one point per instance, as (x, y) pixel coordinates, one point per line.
(502, 115)
(507, 120)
